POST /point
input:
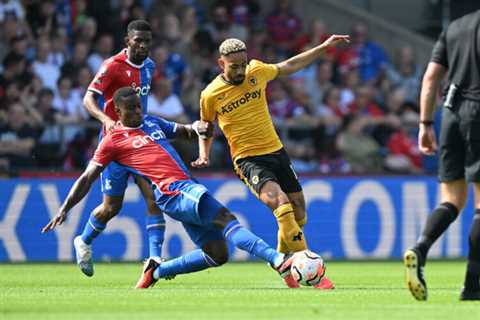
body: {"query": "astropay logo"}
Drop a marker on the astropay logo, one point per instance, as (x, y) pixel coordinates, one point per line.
(140, 141)
(141, 91)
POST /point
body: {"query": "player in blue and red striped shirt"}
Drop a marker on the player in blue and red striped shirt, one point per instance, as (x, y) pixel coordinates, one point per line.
(139, 143)
(133, 68)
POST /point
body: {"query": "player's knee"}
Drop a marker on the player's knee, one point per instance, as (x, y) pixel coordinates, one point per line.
(223, 217)
(273, 198)
(217, 251)
(111, 210)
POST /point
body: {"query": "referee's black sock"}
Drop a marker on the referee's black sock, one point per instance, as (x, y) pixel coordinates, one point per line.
(472, 277)
(436, 225)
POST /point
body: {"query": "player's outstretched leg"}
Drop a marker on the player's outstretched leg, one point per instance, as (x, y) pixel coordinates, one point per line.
(193, 261)
(414, 263)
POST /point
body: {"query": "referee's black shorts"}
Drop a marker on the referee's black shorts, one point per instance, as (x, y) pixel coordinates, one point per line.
(459, 142)
(276, 166)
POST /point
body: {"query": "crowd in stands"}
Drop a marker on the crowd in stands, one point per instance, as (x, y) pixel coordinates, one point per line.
(354, 111)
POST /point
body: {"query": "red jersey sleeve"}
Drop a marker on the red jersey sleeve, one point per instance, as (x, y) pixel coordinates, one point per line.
(103, 79)
(105, 152)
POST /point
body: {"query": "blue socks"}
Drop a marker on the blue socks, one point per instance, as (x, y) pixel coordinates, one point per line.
(198, 260)
(156, 234)
(243, 239)
(193, 261)
(92, 229)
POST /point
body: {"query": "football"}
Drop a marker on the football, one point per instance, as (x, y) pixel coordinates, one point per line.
(307, 268)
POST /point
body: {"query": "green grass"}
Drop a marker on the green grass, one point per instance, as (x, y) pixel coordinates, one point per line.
(365, 290)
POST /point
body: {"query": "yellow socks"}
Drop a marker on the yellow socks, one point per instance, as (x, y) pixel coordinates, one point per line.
(290, 235)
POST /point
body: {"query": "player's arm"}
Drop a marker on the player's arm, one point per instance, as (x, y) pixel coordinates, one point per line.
(201, 129)
(90, 102)
(305, 58)
(431, 82)
(79, 189)
(204, 146)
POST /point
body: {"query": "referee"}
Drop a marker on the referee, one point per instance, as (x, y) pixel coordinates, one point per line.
(457, 55)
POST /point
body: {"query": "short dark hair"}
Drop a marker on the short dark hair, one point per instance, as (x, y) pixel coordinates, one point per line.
(138, 25)
(121, 94)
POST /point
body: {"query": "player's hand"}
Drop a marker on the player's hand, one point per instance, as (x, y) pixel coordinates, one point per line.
(109, 124)
(426, 140)
(333, 40)
(204, 129)
(56, 221)
(201, 163)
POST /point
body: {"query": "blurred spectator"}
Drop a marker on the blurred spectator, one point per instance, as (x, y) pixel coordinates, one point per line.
(86, 31)
(59, 51)
(284, 27)
(103, 50)
(221, 26)
(172, 33)
(350, 80)
(13, 69)
(362, 152)
(19, 45)
(67, 103)
(46, 71)
(189, 26)
(363, 104)
(321, 83)
(282, 108)
(164, 103)
(80, 85)
(11, 9)
(316, 34)
(17, 138)
(172, 66)
(367, 56)
(404, 156)
(405, 74)
(245, 12)
(77, 61)
(42, 18)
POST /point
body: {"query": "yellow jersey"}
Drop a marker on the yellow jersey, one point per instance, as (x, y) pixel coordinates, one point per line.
(242, 111)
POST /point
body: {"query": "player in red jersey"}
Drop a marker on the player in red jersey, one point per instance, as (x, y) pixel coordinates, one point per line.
(140, 144)
(133, 68)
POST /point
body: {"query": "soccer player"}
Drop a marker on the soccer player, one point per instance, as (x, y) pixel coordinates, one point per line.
(139, 143)
(131, 67)
(237, 98)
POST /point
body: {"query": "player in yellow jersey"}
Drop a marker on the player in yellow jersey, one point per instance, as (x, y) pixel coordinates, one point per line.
(236, 98)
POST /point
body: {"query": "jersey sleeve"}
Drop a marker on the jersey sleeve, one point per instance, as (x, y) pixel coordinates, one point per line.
(207, 109)
(103, 79)
(168, 127)
(105, 152)
(439, 52)
(267, 71)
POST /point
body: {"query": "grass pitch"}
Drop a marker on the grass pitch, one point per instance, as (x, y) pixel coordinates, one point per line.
(365, 290)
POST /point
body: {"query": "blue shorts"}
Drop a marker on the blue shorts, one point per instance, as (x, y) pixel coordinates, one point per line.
(195, 208)
(114, 179)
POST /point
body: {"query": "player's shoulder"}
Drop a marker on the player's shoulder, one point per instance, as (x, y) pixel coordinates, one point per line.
(148, 119)
(213, 87)
(149, 63)
(255, 65)
(111, 64)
